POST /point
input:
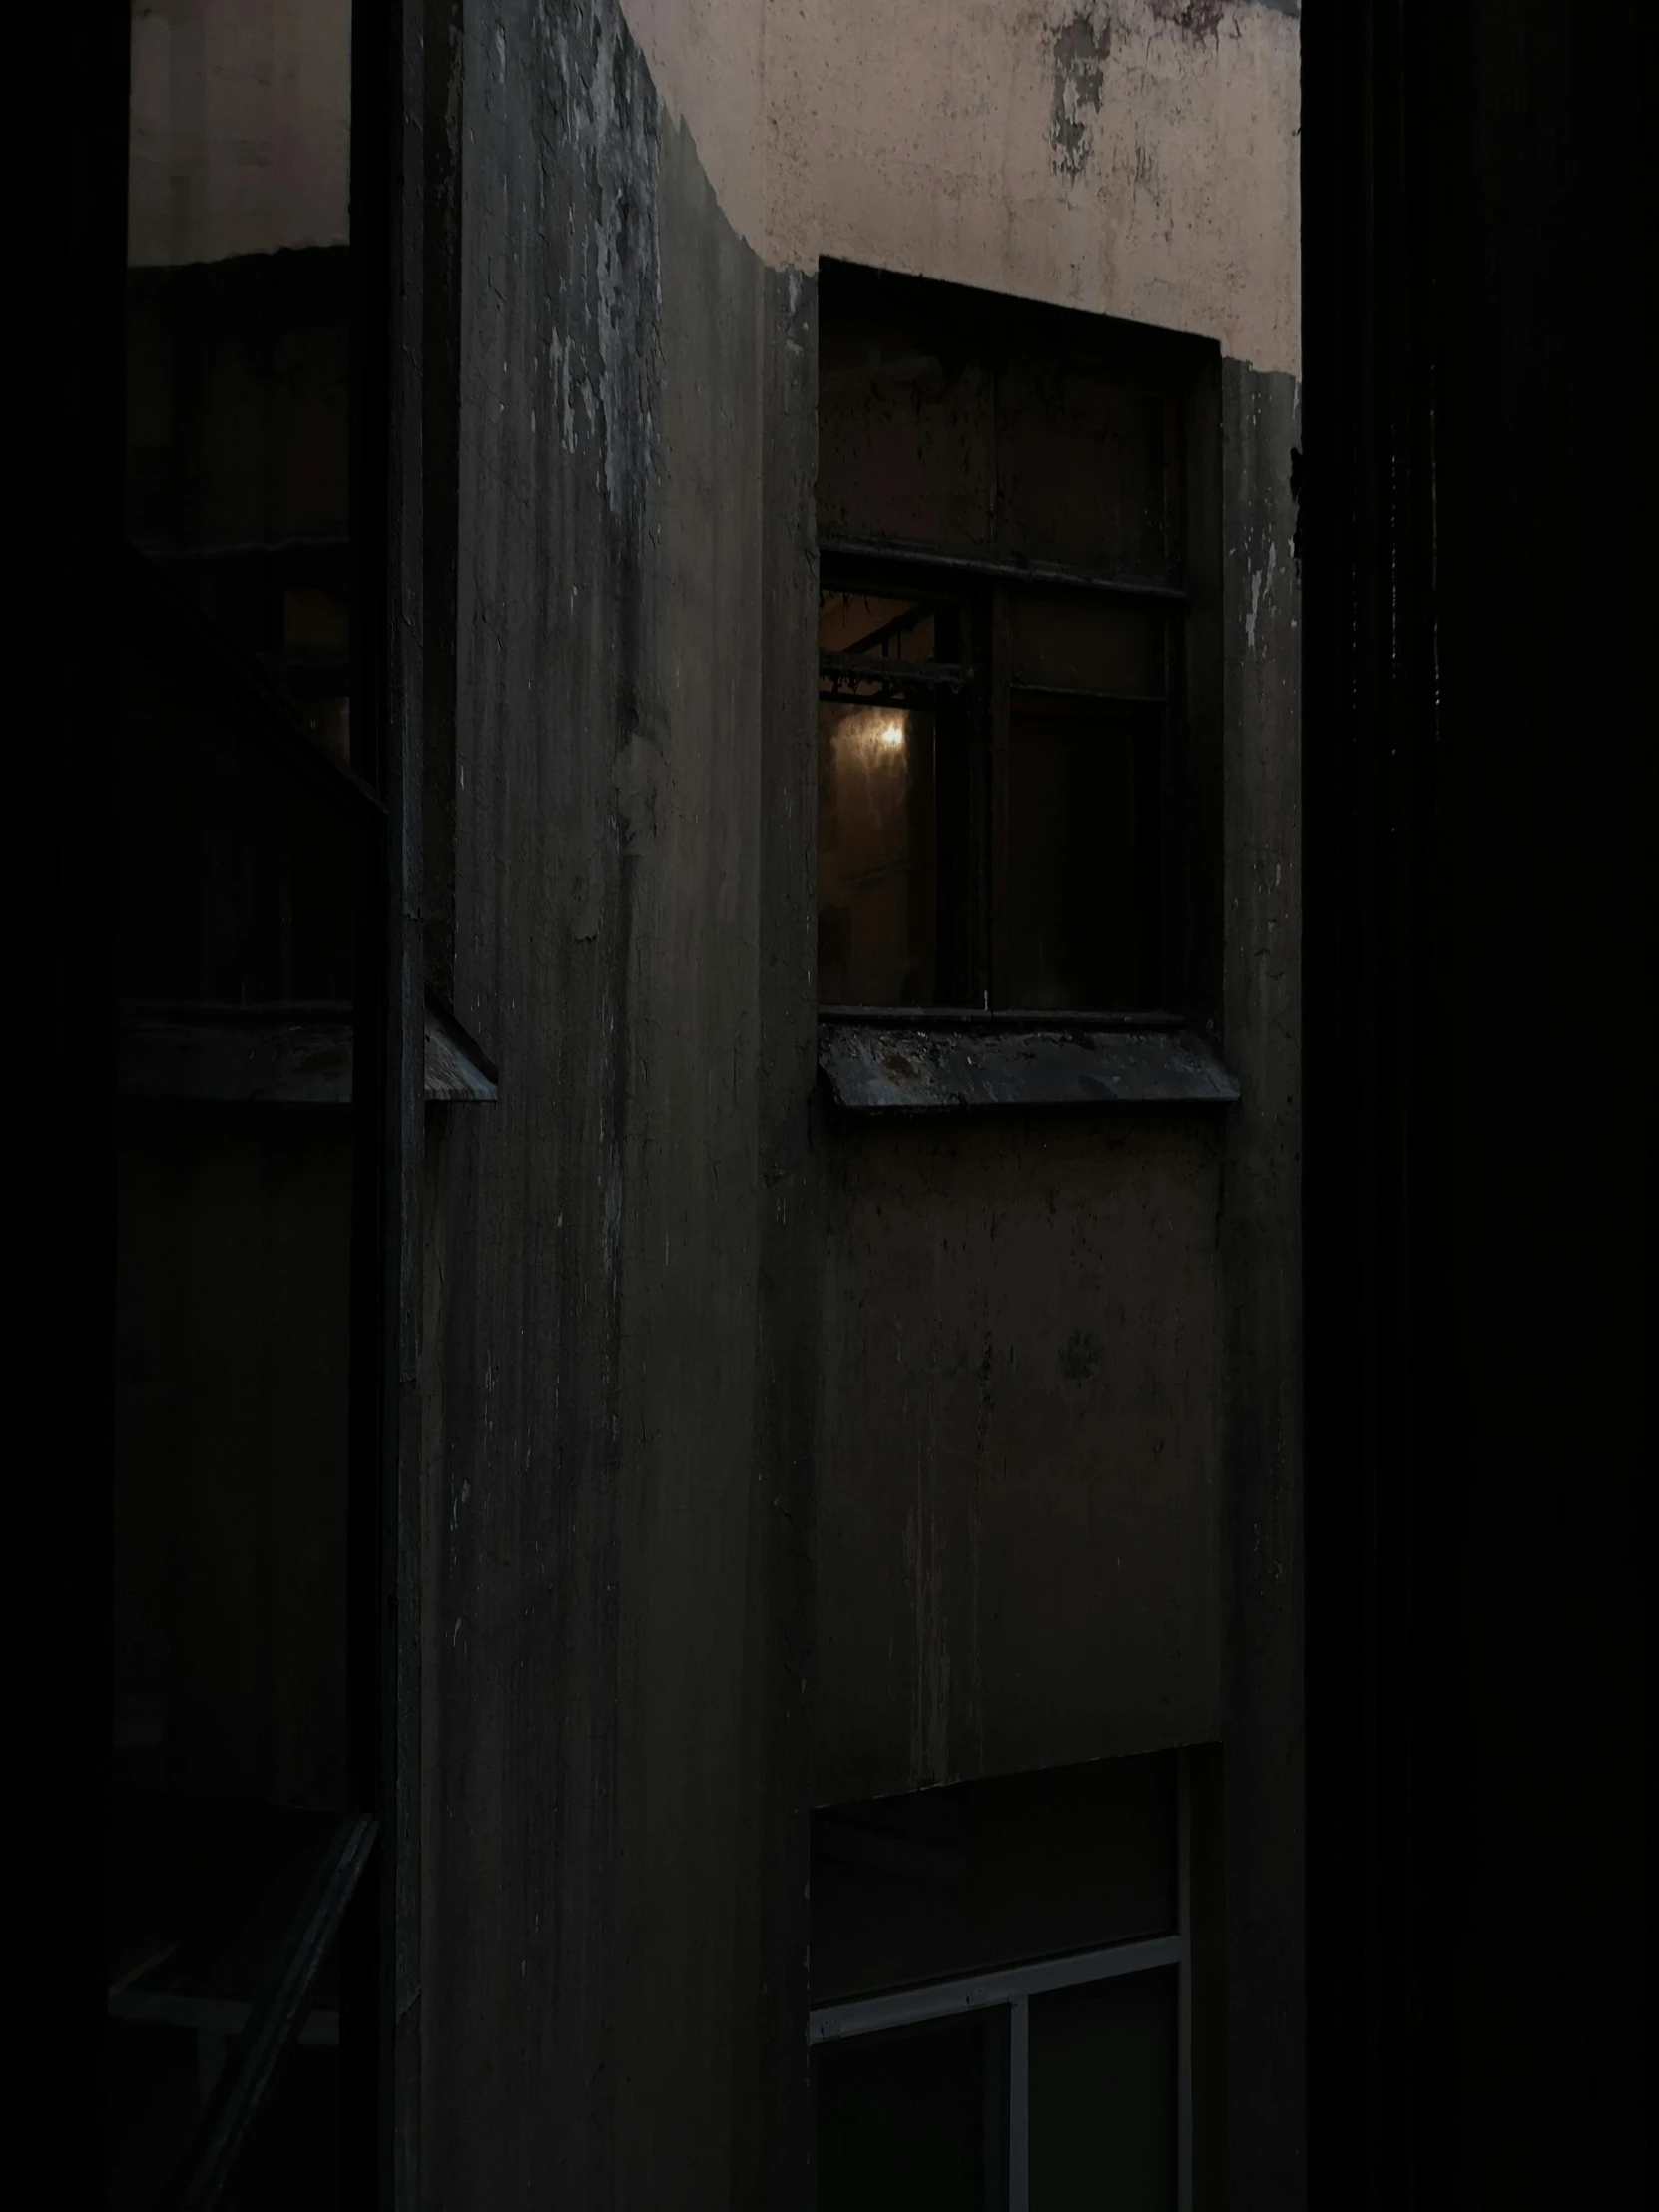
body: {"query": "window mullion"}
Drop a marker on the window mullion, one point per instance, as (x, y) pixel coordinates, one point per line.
(1019, 2105)
(994, 989)
(1184, 1987)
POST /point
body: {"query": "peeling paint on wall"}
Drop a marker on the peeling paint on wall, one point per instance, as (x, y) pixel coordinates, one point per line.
(1199, 19)
(1081, 46)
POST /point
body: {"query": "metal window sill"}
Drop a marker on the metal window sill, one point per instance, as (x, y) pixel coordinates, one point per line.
(907, 1063)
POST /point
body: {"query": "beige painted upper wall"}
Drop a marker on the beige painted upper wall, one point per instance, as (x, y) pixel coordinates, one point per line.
(1136, 157)
(705, 59)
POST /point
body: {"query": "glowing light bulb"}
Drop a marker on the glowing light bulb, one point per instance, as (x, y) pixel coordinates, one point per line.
(890, 733)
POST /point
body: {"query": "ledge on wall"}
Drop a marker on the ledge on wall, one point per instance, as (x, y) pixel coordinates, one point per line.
(880, 1061)
(281, 1057)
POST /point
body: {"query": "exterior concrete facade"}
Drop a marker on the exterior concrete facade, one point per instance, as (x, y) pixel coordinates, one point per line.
(774, 1461)
(620, 1519)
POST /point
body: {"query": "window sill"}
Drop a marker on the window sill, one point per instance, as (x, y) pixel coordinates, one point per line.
(907, 1062)
(247, 1061)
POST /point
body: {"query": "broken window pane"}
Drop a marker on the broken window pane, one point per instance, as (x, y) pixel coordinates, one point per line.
(1083, 856)
(877, 879)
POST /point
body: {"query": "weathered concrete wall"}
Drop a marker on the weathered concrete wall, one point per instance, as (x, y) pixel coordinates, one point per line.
(1027, 1386)
(1059, 1499)
(1018, 1494)
(1260, 1251)
(611, 1349)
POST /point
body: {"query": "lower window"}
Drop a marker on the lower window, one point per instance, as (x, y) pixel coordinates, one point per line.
(1026, 2089)
(1021, 2083)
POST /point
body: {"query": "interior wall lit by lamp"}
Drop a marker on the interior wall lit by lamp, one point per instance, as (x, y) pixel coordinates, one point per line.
(876, 889)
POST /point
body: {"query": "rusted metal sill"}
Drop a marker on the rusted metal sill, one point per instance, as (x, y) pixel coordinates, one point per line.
(917, 1063)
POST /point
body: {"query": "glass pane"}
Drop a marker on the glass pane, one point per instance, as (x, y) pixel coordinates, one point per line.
(239, 311)
(239, 893)
(889, 632)
(1083, 832)
(1079, 641)
(1080, 467)
(905, 436)
(914, 2117)
(234, 1276)
(205, 1891)
(877, 854)
(1102, 2096)
(911, 1889)
(237, 879)
(233, 1353)
(294, 2149)
(229, 1735)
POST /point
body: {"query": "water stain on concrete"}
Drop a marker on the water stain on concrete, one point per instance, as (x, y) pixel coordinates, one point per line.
(1081, 47)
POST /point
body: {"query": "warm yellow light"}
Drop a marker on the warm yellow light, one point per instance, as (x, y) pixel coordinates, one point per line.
(891, 733)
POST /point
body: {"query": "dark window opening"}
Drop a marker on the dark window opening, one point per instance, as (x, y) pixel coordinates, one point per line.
(1102, 2091)
(914, 2116)
(1000, 1987)
(1008, 532)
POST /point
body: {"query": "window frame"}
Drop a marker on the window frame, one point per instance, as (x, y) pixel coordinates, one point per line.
(365, 1885)
(1011, 1988)
(1184, 372)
